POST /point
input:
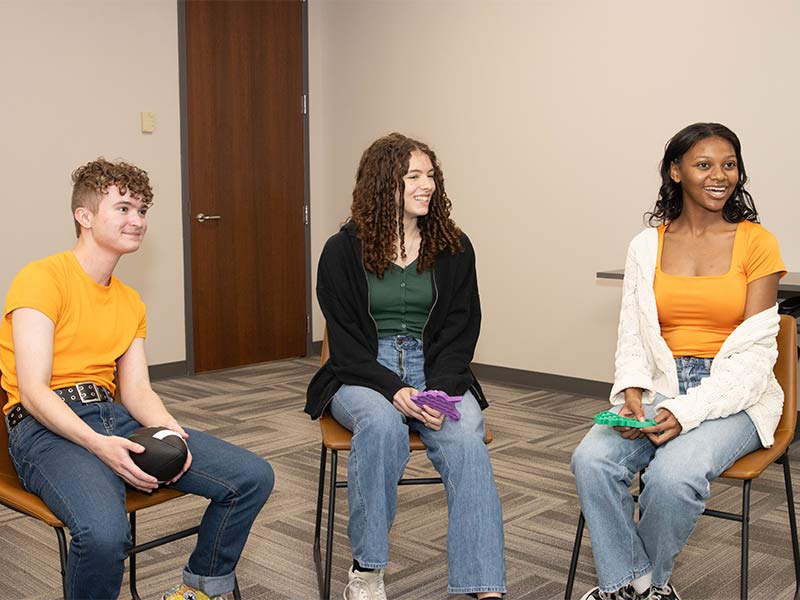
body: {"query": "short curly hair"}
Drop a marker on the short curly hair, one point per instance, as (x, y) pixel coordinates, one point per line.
(379, 218)
(93, 179)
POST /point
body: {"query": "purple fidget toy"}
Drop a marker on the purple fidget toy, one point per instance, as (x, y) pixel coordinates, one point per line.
(439, 401)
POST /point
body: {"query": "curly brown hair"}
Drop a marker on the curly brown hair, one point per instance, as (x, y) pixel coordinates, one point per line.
(93, 179)
(379, 216)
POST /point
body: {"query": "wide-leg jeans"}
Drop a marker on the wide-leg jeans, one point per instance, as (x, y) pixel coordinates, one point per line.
(676, 486)
(379, 454)
(90, 499)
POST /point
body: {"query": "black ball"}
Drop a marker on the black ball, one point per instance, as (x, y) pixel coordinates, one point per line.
(164, 453)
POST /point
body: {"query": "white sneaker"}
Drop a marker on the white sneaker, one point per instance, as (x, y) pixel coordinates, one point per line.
(364, 585)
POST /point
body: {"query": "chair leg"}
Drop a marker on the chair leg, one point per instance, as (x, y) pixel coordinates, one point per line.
(787, 478)
(326, 590)
(576, 550)
(62, 554)
(132, 560)
(745, 538)
(236, 593)
(320, 491)
(137, 548)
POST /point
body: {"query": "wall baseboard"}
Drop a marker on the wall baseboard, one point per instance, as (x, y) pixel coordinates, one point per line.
(166, 370)
(548, 381)
(560, 383)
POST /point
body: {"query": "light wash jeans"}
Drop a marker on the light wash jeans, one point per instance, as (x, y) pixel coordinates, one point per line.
(379, 455)
(90, 499)
(676, 485)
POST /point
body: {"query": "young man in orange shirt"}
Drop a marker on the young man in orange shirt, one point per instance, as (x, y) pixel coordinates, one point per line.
(68, 324)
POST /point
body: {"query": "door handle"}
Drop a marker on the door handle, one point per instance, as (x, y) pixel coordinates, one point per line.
(200, 217)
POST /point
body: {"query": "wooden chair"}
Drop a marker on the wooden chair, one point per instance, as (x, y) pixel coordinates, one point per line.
(15, 497)
(751, 466)
(790, 306)
(338, 438)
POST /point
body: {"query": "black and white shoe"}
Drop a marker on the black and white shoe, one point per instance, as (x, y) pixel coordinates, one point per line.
(666, 592)
(625, 593)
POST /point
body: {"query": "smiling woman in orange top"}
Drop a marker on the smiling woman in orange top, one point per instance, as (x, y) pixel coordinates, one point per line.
(695, 352)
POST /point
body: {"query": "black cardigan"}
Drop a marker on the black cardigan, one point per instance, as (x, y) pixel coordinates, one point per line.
(449, 336)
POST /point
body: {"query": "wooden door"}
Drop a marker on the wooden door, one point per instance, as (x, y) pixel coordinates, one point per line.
(244, 90)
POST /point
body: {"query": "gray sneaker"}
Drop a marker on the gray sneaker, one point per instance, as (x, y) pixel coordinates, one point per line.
(364, 585)
(624, 593)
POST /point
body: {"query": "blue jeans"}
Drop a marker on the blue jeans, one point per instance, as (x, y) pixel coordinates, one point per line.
(677, 483)
(379, 454)
(90, 499)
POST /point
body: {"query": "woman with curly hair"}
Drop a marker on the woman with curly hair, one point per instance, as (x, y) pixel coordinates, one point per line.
(398, 289)
(696, 349)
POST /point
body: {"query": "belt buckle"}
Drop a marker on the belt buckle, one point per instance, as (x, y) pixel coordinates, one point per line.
(88, 392)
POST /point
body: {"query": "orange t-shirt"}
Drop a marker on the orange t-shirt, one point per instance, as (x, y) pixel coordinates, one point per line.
(698, 313)
(94, 324)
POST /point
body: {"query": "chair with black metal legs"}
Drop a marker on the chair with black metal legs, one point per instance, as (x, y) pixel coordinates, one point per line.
(751, 466)
(337, 438)
(17, 498)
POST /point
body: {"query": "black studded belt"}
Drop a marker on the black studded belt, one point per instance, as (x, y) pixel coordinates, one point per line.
(85, 392)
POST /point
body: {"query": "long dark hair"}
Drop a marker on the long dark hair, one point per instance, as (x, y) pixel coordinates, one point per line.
(740, 205)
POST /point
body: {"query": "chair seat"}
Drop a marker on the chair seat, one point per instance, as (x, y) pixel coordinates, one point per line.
(338, 437)
(136, 500)
(13, 495)
(752, 465)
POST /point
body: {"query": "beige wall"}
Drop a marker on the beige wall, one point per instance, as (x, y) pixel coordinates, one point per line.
(74, 77)
(550, 118)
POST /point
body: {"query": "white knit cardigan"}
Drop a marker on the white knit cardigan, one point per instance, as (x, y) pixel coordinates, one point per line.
(741, 375)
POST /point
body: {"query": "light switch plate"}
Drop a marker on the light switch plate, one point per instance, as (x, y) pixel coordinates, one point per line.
(148, 122)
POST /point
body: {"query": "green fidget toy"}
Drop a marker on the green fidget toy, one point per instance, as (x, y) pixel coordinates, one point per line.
(614, 420)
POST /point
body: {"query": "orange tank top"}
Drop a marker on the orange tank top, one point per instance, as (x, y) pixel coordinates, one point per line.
(698, 313)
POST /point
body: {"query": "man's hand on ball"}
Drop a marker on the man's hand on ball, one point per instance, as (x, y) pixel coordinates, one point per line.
(114, 451)
(185, 468)
(174, 426)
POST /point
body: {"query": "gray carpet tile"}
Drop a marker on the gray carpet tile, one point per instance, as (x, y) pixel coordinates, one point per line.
(260, 407)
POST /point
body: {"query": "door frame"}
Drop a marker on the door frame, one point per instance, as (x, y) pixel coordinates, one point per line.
(185, 195)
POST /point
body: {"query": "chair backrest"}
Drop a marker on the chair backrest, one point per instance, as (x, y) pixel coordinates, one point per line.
(786, 374)
(6, 467)
(11, 490)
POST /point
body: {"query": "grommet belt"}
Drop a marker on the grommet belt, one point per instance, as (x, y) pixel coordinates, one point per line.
(85, 392)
